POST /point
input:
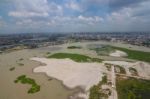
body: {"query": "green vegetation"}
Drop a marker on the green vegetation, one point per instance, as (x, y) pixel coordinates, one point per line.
(96, 60)
(20, 64)
(132, 54)
(104, 79)
(24, 80)
(12, 68)
(133, 88)
(21, 59)
(96, 92)
(50, 79)
(146, 43)
(75, 57)
(108, 66)
(48, 53)
(105, 50)
(120, 69)
(74, 47)
(137, 55)
(133, 71)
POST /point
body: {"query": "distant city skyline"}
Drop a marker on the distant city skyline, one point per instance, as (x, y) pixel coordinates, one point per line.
(29, 16)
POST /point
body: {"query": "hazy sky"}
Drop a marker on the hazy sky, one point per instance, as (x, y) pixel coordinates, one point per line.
(74, 15)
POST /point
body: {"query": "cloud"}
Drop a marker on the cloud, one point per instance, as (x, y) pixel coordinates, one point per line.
(93, 19)
(82, 20)
(139, 11)
(2, 22)
(75, 15)
(24, 22)
(118, 4)
(27, 14)
(73, 5)
(35, 8)
(55, 9)
(115, 3)
(95, 1)
(130, 18)
(61, 20)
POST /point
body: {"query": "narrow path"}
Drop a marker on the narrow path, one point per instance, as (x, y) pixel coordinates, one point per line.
(113, 81)
(138, 77)
(113, 77)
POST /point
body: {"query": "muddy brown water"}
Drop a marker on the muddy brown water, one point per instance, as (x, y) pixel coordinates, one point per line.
(50, 89)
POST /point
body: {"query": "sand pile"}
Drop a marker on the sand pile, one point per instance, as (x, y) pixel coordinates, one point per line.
(72, 74)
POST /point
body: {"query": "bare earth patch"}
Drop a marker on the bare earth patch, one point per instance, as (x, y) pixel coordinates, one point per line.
(142, 68)
(72, 74)
(118, 53)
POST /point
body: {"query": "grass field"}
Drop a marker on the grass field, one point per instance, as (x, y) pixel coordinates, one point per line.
(133, 88)
(96, 92)
(133, 54)
(74, 47)
(75, 57)
(24, 80)
(104, 50)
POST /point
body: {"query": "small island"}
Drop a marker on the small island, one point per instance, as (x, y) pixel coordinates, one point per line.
(25, 80)
(74, 47)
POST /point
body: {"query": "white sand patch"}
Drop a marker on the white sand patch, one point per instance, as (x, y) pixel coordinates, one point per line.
(119, 63)
(124, 64)
(142, 68)
(118, 53)
(71, 73)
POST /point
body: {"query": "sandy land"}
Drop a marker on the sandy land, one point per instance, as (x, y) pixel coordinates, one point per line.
(72, 74)
(118, 53)
(142, 68)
